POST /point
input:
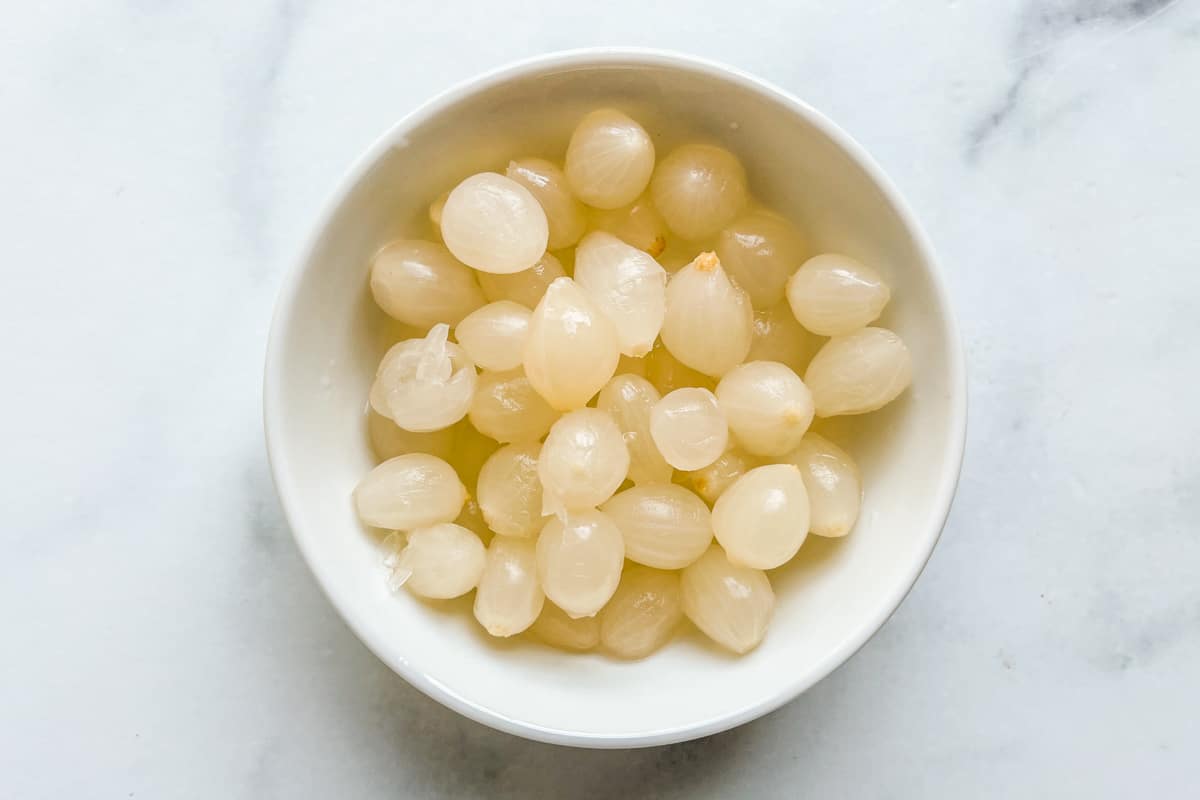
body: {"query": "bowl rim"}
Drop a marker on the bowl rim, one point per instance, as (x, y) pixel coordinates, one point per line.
(588, 58)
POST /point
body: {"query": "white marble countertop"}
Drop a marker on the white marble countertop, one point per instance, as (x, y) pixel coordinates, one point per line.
(163, 637)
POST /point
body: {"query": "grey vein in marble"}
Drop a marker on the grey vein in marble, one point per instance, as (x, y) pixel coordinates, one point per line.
(1043, 26)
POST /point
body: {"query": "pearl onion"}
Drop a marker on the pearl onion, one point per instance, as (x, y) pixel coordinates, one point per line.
(627, 285)
(442, 561)
(688, 428)
(779, 337)
(609, 159)
(579, 561)
(494, 336)
(493, 223)
(525, 287)
(767, 406)
(508, 409)
(709, 323)
(422, 284)
(833, 483)
(566, 217)
(637, 224)
(762, 519)
(582, 462)
(510, 492)
(410, 491)
(711, 482)
(664, 525)
(628, 400)
(832, 294)
(760, 251)
(860, 372)
(643, 613)
(571, 350)
(508, 598)
(424, 384)
(732, 605)
(699, 189)
(557, 629)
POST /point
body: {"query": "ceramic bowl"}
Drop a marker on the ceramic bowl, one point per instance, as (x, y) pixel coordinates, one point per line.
(327, 337)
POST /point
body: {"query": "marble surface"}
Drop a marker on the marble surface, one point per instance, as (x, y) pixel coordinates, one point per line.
(162, 637)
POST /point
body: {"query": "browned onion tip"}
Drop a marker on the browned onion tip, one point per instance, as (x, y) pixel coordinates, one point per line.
(709, 323)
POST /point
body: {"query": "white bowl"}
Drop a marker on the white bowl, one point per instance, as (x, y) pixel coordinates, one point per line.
(325, 342)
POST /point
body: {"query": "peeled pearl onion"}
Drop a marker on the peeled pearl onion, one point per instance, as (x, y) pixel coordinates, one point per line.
(579, 561)
(833, 483)
(424, 384)
(762, 519)
(566, 217)
(832, 294)
(443, 561)
(760, 251)
(860, 372)
(767, 406)
(609, 159)
(711, 482)
(571, 350)
(709, 323)
(494, 336)
(410, 491)
(628, 400)
(510, 491)
(525, 287)
(493, 223)
(422, 284)
(637, 224)
(508, 409)
(627, 285)
(557, 629)
(508, 598)
(732, 605)
(663, 525)
(688, 428)
(699, 189)
(582, 462)
(779, 337)
(643, 613)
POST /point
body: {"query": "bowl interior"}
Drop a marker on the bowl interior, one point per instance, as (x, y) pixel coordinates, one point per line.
(329, 336)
